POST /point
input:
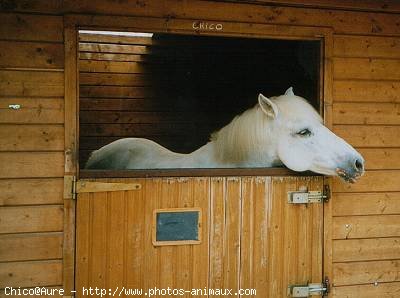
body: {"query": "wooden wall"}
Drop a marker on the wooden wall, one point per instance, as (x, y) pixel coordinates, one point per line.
(366, 216)
(31, 150)
(176, 89)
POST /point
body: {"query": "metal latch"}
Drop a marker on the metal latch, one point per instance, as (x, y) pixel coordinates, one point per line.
(311, 289)
(304, 196)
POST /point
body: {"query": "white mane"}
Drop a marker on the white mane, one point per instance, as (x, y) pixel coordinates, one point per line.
(243, 137)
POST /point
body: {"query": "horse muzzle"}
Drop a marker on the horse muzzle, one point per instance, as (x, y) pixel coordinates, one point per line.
(352, 170)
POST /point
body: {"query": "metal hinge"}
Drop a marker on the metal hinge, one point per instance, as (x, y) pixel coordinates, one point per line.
(72, 186)
(305, 197)
(311, 289)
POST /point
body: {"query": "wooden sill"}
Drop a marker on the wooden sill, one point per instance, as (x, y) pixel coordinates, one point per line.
(191, 173)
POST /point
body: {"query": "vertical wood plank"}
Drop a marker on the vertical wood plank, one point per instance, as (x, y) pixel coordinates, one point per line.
(116, 239)
(217, 227)
(136, 233)
(200, 253)
(232, 232)
(82, 241)
(70, 149)
(254, 235)
(98, 239)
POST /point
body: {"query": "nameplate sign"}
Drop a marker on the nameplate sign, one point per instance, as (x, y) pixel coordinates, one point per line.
(207, 26)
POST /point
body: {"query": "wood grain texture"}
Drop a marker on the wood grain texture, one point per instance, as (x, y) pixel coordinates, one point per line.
(351, 250)
(115, 92)
(113, 79)
(366, 91)
(389, 290)
(31, 219)
(31, 137)
(31, 191)
(30, 274)
(25, 247)
(341, 21)
(381, 158)
(365, 272)
(111, 67)
(366, 69)
(31, 164)
(31, 55)
(366, 46)
(369, 136)
(240, 239)
(350, 227)
(24, 83)
(32, 111)
(372, 181)
(366, 203)
(366, 113)
(28, 27)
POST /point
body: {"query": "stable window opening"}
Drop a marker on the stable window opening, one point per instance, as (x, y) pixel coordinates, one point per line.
(176, 90)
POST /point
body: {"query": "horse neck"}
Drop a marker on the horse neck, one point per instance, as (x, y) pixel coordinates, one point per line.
(246, 140)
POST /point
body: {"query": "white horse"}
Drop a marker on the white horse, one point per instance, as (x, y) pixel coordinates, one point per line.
(282, 130)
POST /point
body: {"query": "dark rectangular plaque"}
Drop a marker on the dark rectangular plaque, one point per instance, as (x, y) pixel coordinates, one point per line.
(176, 226)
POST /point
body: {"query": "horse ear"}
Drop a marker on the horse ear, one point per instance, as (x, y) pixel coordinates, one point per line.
(289, 91)
(268, 107)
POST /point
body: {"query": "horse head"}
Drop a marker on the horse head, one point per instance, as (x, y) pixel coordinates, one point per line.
(304, 143)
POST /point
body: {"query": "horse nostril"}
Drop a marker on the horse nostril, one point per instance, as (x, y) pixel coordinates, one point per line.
(359, 165)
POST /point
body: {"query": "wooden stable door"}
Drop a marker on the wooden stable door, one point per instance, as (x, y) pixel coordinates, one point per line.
(249, 236)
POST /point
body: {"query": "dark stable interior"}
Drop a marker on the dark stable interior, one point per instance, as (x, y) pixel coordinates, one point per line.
(178, 89)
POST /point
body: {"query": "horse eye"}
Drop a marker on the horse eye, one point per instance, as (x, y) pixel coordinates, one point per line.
(304, 132)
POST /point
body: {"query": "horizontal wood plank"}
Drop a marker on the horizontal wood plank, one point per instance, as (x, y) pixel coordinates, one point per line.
(365, 272)
(372, 181)
(31, 55)
(366, 203)
(32, 110)
(31, 83)
(389, 290)
(366, 91)
(31, 274)
(31, 191)
(366, 46)
(115, 92)
(31, 137)
(115, 39)
(370, 226)
(136, 130)
(31, 164)
(26, 219)
(369, 136)
(113, 48)
(366, 5)
(127, 104)
(30, 27)
(111, 66)
(112, 57)
(366, 69)
(366, 113)
(381, 158)
(114, 79)
(36, 246)
(351, 250)
(341, 21)
(133, 117)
